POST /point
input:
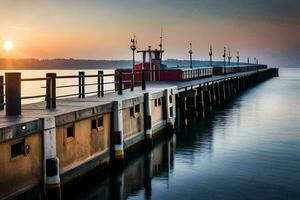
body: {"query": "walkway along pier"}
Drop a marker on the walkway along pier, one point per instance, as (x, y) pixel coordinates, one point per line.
(47, 144)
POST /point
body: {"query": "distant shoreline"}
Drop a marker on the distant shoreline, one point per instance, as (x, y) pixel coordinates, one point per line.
(82, 64)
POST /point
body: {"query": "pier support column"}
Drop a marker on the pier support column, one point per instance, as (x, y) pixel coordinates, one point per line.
(213, 94)
(229, 91)
(200, 102)
(221, 93)
(191, 104)
(170, 109)
(207, 97)
(178, 119)
(217, 93)
(118, 132)
(226, 89)
(234, 86)
(148, 113)
(238, 85)
(51, 161)
(242, 80)
(182, 111)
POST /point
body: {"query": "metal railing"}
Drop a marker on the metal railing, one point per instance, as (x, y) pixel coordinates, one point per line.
(11, 99)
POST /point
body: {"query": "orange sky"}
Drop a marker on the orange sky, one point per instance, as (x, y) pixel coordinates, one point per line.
(102, 29)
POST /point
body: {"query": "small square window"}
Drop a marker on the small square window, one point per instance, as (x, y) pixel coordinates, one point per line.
(70, 131)
(171, 99)
(93, 124)
(137, 108)
(159, 101)
(131, 112)
(17, 149)
(100, 121)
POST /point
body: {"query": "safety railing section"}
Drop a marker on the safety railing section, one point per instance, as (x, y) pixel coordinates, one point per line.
(126, 79)
(10, 89)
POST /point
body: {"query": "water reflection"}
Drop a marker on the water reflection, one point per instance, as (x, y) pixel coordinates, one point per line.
(135, 178)
(247, 149)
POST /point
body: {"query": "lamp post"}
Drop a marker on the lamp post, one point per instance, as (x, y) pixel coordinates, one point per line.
(229, 57)
(133, 48)
(210, 55)
(224, 56)
(191, 52)
(238, 58)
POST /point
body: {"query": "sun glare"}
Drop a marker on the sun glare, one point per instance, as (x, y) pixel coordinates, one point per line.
(8, 45)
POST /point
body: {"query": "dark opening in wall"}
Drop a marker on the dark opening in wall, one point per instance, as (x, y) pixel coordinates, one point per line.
(170, 99)
(100, 121)
(159, 101)
(93, 124)
(70, 131)
(131, 112)
(155, 102)
(137, 108)
(171, 112)
(17, 148)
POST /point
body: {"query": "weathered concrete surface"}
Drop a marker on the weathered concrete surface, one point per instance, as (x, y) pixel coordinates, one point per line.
(21, 172)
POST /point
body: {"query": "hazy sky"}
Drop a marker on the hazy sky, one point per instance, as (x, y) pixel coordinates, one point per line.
(102, 29)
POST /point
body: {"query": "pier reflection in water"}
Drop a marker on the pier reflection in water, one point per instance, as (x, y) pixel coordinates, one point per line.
(136, 177)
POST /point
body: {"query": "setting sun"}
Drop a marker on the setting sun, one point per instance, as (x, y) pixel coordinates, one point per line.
(8, 45)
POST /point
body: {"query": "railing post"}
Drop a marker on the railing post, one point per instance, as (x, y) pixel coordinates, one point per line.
(120, 92)
(51, 90)
(81, 85)
(13, 93)
(1, 93)
(143, 80)
(100, 85)
(48, 90)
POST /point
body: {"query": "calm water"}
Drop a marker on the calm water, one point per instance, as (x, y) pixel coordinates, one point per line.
(250, 149)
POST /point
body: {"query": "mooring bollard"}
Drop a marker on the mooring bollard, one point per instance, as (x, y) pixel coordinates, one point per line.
(1, 92)
(13, 93)
(148, 113)
(118, 134)
(51, 161)
(53, 190)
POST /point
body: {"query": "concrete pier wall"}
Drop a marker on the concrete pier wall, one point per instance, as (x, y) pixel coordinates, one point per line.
(20, 165)
(80, 135)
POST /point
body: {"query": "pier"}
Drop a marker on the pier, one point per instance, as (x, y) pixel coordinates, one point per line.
(51, 143)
